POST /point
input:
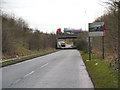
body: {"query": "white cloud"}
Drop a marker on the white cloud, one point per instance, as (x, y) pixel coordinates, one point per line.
(48, 15)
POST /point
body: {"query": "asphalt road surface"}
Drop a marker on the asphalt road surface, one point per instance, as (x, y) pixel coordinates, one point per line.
(62, 69)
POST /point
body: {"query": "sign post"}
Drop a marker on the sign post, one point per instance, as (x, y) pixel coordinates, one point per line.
(103, 46)
(97, 29)
(89, 40)
(89, 49)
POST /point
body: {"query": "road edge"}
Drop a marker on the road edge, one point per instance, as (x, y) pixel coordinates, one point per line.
(28, 58)
(88, 71)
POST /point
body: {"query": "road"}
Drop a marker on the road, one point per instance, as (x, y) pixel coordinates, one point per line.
(62, 69)
(68, 46)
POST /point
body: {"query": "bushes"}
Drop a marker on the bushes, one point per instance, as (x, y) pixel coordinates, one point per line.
(110, 18)
(82, 45)
(17, 34)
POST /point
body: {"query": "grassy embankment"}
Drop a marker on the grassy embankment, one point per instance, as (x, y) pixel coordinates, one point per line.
(25, 58)
(101, 73)
(21, 50)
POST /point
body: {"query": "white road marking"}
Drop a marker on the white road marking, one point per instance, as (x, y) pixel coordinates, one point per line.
(19, 63)
(15, 82)
(22, 78)
(29, 74)
(44, 65)
(15, 64)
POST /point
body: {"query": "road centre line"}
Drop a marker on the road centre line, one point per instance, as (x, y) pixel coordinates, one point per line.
(22, 78)
(44, 65)
(34, 71)
(16, 81)
(29, 74)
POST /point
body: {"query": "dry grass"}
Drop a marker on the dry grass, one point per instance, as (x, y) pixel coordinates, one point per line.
(21, 51)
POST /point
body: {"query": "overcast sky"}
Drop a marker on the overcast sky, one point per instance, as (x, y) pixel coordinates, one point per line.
(48, 15)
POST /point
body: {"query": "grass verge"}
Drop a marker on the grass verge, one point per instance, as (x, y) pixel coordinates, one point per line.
(102, 75)
(23, 59)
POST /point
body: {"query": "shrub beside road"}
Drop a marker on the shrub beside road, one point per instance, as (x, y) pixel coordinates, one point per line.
(101, 73)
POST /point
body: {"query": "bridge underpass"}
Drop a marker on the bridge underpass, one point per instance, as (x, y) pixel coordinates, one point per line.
(68, 39)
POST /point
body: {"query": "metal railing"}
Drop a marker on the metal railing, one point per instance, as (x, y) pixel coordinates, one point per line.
(17, 57)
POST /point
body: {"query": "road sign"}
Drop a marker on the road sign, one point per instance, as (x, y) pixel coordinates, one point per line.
(96, 29)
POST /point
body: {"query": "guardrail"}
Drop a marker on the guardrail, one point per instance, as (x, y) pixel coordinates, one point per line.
(4, 60)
